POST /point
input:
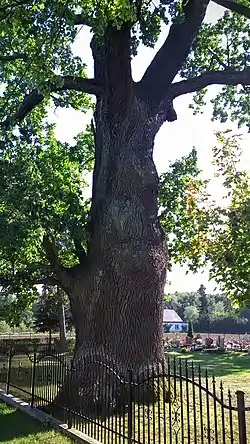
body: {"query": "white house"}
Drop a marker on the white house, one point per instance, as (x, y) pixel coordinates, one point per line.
(172, 322)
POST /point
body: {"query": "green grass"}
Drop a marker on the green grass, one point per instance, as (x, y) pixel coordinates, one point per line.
(17, 428)
(232, 368)
(48, 375)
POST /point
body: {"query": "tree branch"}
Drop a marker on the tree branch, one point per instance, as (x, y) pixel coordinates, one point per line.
(226, 77)
(33, 274)
(79, 251)
(89, 86)
(216, 57)
(49, 280)
(51, 252)
(67, 83)
(63, 275)
(81, 19)
(239, 8)
(169, 59)
(14, 56)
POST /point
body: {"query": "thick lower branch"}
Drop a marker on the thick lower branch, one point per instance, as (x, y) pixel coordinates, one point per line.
(65, 83)
(169, 59)
(51, 252)
(239, 8)
(226, 77)
(79, 251)
(45, 281)
(81, 19)
(35, 274)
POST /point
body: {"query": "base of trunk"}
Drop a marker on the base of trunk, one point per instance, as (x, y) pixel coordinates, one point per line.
(96, 389)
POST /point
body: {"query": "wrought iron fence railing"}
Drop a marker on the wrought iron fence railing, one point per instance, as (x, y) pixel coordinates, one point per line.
(173, 402)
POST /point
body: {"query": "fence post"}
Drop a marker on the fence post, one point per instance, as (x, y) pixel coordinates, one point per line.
(9, 371)
(33, 381)
(130, 407)
(69, 382)
(241, 417)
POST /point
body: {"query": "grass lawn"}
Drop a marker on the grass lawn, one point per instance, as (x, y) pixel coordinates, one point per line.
(233, 368)
(18, 428)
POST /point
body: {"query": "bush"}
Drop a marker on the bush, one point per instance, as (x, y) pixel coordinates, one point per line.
(4, 328)
(183, 350)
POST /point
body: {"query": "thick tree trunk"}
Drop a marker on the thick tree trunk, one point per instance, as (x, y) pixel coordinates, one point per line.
(116, 293)
(118, 309)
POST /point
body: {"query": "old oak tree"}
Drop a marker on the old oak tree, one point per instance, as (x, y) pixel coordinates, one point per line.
(115, 271)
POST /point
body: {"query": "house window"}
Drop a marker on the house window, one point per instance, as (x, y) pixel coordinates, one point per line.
(176, 326)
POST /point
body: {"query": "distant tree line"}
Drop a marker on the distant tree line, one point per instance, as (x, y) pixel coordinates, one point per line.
(49, 313)
(209, 313)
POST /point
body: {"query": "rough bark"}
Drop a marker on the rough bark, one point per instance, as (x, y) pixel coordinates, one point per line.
(118, 311)
(116, 293)
(117, 300)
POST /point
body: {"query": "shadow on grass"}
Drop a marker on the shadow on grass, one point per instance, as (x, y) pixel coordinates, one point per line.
(223, 364)
(14, 424)
(49, 377)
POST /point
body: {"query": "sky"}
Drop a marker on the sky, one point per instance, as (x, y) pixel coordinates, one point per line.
(173, 141)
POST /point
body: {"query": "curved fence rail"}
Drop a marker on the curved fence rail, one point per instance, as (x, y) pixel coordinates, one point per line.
(173, 402)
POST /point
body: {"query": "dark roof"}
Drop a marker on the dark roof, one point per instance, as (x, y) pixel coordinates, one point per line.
(171, 316)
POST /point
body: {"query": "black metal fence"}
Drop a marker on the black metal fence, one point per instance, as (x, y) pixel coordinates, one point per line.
(173, 402)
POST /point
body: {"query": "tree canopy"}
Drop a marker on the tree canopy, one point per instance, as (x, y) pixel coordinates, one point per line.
(202, 232)
(42, 187)
(38, 66)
